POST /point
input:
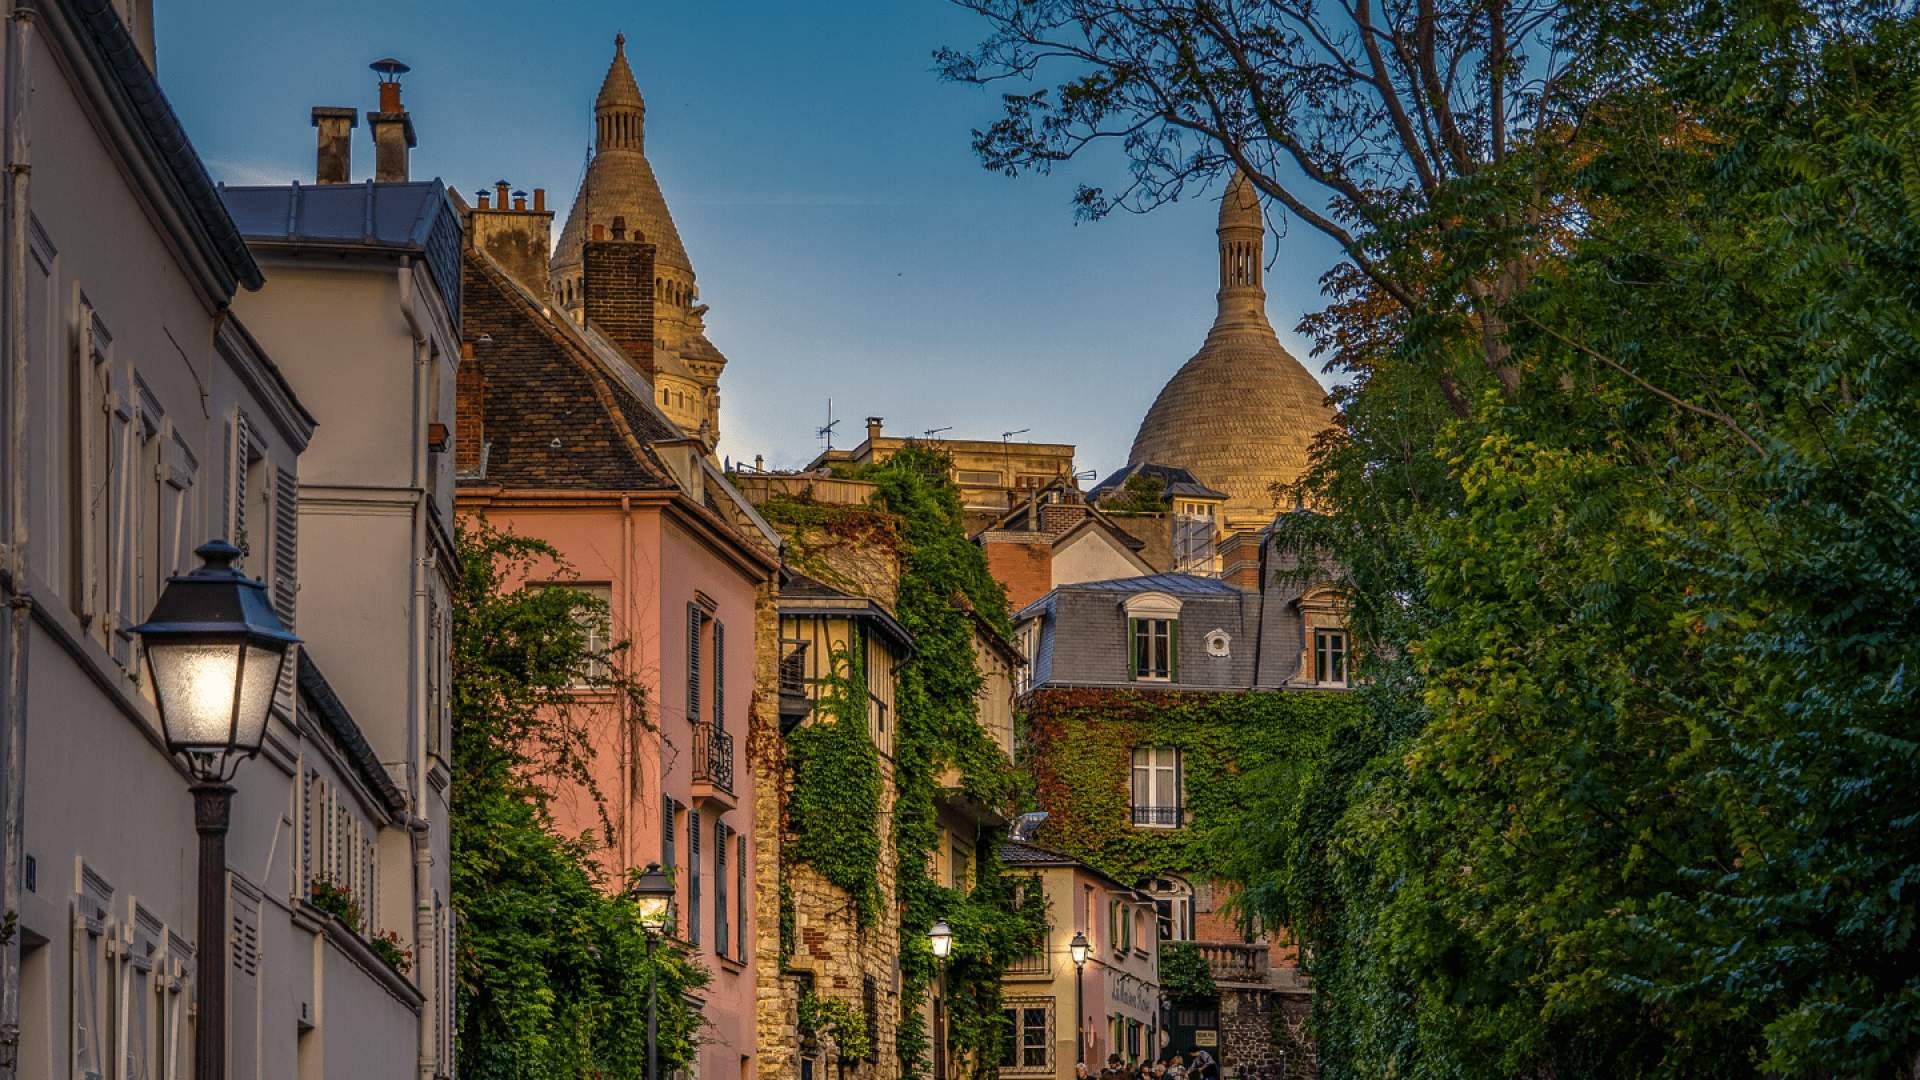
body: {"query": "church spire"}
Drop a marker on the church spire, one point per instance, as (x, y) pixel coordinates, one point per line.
(1243, 234)
(619, 113)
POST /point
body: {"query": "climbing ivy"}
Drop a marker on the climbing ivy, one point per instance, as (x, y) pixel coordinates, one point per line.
(1079, 746)
(1184, 971)
(834, 805)
(821, 1015)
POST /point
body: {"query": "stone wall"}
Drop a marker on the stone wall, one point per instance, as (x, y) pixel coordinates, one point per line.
(1263, 1034)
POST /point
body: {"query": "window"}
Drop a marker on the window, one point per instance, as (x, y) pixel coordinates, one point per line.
(1030, 481)
(958, 868)
(982, 479)
(1029, 1046)
(1330, 657)
(1156, 787)
(595, 624)
(1154, 645)
(1173, 903)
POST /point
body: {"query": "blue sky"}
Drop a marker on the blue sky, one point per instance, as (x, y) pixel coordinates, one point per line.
(847, 240)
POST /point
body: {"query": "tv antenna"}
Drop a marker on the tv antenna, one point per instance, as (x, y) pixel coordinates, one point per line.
(1007, 436)
(931, 432)
(826, 432)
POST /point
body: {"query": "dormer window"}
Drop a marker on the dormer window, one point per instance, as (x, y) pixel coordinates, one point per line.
(1153, 632)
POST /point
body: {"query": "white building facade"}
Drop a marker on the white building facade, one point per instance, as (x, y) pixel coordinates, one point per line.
(139, 418)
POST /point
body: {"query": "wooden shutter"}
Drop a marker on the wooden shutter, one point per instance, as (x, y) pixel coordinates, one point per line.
(89, 928)
(740, 896)
(1173, 650)
(286, 542)
(1133, 649)
(720, 888)
(719, 676)
(666, 832)
(694, 617)
(693, 876)
(243, 983)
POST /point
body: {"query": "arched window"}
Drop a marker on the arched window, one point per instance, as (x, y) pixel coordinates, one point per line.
(1173, 899)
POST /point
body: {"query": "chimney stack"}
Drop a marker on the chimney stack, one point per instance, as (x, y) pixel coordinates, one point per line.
(392, 128)
(617, 294)
(469, 413)
(335, 160)
(873, 430)
(513, 235)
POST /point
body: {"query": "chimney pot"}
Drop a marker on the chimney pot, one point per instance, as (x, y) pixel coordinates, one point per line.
(873, 429)
(619, 227)
(466, 350)
(334, 160)
(539, 200)
(520, 200)
(483, 199)
(599, 232)
(390, 97)
(393, 136)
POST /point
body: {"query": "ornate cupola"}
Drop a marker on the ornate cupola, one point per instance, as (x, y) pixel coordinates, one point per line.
(1242, 414)
(620, 113)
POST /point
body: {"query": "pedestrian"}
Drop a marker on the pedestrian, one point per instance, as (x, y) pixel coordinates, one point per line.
(1080, 1070)
(1203, 1067)
(1115, 1070)
(1177, 1068)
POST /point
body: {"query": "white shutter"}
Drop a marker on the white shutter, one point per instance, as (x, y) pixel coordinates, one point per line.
(243, 981)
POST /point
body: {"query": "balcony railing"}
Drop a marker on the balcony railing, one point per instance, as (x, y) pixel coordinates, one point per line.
(1036, 963)
(1231, 961)
(712, 757)
(1166, 817)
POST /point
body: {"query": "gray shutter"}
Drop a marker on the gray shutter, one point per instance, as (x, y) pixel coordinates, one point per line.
(720, 888)
(719, 676)
(693, 876)
(286, 542)
(243, 984)
(740, 896)
(694, 616)
(1173, 650)
(1133, 649)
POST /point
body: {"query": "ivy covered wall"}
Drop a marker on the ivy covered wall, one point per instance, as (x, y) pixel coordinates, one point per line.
(1078, 750)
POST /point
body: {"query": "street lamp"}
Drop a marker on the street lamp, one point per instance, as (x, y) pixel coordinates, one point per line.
(1078, 949)
(214, 650)
(652, 893)
(940, 940)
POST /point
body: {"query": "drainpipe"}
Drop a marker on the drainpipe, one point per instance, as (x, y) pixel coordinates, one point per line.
(628, 781)
(423, 936)
(13, 706)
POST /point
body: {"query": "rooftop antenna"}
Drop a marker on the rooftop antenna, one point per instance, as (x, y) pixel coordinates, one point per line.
(827, 431)
(1007, 436)
(931, 432)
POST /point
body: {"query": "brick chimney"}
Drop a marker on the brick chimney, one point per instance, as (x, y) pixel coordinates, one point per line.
(469, 412)
(334, 164)
(617, 293)
(392, 128)
(516, 238)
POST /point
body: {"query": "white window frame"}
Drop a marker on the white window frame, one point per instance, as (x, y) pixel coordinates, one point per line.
(1332, 656)
(1154, 770)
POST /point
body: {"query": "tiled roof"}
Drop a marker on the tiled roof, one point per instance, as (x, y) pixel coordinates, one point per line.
(1189, 584)
(540, 388)
(1014, 852)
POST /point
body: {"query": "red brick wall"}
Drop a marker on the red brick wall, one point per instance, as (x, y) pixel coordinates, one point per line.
(617, 292)
(1025, 569)
(469, 415)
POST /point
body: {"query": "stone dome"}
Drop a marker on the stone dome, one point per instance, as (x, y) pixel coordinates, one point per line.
(1242, 414)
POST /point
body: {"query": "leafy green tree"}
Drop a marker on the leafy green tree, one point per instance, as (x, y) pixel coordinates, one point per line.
(1636, 792)
(552, 969)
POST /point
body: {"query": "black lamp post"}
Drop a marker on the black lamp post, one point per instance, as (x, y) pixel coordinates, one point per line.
(940, 940)
(1078, 949)
(653, 893)
(214, 650)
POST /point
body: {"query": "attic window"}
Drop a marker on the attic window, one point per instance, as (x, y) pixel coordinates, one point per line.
(1218, 643)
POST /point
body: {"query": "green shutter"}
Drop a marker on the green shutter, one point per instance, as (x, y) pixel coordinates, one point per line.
(1173, 649)
(1133, 649)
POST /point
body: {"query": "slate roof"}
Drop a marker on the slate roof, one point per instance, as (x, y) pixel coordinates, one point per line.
(1177, 481)
(1015, 852)
(1177, 584)
(411, 217)
(541, 387)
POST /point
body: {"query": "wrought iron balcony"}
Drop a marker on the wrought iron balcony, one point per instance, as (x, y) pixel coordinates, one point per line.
(1034, 964)
(712, 757)
(1166, 817)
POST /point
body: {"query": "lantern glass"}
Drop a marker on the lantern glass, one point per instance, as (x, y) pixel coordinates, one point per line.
(1078, 948)
(941, 939)
(214, 695)
(653, 895)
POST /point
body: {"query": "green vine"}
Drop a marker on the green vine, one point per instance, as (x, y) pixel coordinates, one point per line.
(822, 1015)
(834, 805)
(1184, 971)
(1080, 743)
(1140, 495)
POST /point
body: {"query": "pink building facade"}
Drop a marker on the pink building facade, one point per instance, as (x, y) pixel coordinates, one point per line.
(556, 442)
